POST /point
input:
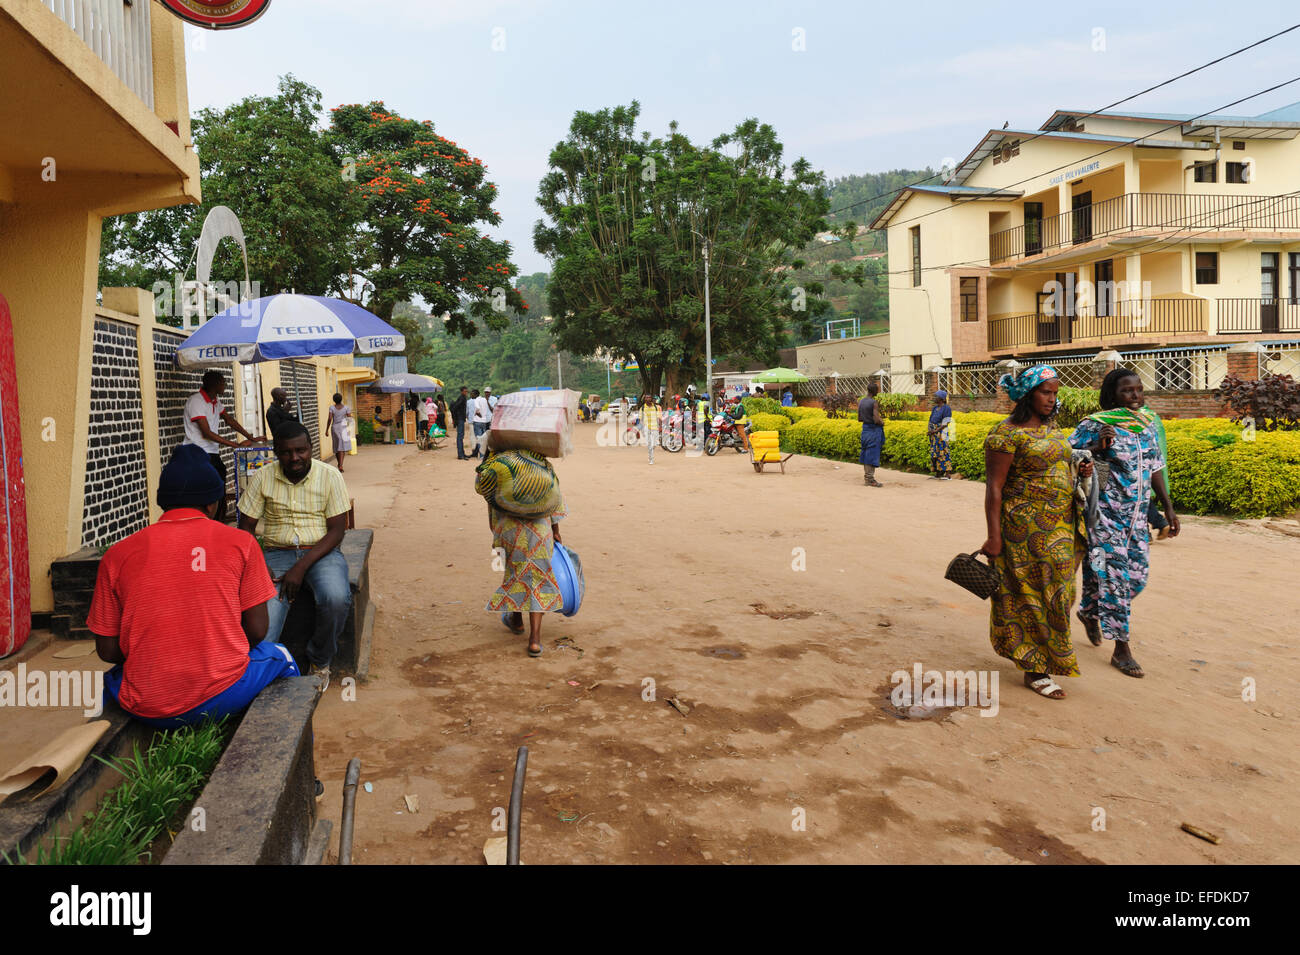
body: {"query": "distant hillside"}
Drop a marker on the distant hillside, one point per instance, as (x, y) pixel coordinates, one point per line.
(868, 194)
(858, 199)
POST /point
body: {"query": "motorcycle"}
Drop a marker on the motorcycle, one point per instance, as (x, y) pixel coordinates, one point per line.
(725, 434)
(670, 432)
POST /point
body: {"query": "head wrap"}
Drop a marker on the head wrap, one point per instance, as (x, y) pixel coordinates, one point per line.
(941, 394)
(1026, 381)
(189, 480)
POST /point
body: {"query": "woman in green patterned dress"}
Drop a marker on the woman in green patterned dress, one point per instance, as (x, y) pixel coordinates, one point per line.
(1035, 533)
(524, 544)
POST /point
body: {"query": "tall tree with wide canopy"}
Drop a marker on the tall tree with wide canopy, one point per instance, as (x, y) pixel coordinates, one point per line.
(628, 220)
(424, 201)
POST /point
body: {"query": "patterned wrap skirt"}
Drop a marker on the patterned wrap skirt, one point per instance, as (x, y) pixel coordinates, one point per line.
(527, 546)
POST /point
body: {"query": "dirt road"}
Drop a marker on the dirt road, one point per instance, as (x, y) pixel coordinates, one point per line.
(776, 609)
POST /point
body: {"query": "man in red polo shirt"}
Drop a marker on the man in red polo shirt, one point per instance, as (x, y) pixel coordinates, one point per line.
(181, 607)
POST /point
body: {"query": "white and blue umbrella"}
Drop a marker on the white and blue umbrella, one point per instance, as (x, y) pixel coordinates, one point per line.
(287, 326)
(418, 384)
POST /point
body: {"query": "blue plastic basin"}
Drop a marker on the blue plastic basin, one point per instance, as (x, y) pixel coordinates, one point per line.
(568, 575)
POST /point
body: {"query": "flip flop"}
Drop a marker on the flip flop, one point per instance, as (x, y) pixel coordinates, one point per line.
(534, 653)
(505, 619)
(1092, 626)
(1128, 667)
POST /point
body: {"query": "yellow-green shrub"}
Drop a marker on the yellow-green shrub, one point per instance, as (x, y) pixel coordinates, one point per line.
(894, 404)
(1211, 469)
(797, 414)
(837, 438)
(768, 422)
(1248, 478)
(761, 405)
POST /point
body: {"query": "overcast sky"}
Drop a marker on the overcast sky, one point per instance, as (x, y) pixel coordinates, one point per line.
(855, 86)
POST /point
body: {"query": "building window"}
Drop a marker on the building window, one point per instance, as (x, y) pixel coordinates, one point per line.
(916, 255)
(1294, 260)
(970, 298)
(1206, 172)
(1207, 268)
(1103, 280)
(1237, 172)
(918, 373)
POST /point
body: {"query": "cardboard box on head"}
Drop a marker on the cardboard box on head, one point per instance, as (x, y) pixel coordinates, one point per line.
(540, 421)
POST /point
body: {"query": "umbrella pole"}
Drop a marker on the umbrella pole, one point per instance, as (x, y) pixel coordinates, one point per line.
(297, 402)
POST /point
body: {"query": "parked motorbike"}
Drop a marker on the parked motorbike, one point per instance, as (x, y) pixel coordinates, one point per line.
(670, 431)
(725, 434)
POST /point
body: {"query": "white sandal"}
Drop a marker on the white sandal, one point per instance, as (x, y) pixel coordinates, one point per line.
(1046, 686)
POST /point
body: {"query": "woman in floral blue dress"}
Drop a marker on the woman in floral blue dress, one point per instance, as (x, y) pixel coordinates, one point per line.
(1125, 436)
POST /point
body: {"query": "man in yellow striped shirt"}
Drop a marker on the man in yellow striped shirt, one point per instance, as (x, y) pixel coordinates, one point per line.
(303, 506)
(650, 423)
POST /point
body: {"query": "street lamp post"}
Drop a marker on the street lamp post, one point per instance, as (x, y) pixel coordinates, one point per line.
(708, 330)
(708, 334)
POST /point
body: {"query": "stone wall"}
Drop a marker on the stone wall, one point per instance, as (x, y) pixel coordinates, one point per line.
(117, 493)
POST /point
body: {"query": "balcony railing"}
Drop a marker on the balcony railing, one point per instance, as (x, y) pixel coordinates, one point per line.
(1145, 211)
(1246, 316)
(1125, 319)
(119, 32)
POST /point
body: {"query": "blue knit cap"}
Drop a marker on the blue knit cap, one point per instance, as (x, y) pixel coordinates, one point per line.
(189, 480)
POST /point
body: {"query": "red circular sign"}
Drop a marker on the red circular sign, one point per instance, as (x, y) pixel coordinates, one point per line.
(217, 14)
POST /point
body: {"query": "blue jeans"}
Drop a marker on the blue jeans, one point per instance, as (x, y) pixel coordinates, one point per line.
(460, 439)
(480, 428)
(328, 580)
(267, 662)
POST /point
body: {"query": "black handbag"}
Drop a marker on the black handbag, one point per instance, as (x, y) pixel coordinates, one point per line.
(966, 570)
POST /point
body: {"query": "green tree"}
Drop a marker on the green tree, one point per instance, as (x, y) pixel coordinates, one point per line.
(423, 201)
(629, 217)
(264, 157)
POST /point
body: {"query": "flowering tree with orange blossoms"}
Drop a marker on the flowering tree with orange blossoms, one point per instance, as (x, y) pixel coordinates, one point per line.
(425, 201)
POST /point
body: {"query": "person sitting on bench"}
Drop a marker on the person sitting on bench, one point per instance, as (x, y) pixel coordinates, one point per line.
(304, 506)
(180, 607)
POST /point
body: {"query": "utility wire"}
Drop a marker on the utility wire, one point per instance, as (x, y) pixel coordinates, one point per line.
(1095, 112)
(1120, 145)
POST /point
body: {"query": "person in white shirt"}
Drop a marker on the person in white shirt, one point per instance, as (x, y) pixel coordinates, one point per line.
(421, 417)
(481, 418)
(203, 417)
(491, 400)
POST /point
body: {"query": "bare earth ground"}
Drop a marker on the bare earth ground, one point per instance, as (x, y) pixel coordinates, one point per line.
(790, 713)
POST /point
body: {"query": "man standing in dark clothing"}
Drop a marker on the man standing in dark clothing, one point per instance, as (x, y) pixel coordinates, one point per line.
(281, 410)
(458, 419)
(873, 434)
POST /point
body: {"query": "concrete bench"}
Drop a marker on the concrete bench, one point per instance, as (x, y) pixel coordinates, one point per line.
(354, 643)
(259, 806)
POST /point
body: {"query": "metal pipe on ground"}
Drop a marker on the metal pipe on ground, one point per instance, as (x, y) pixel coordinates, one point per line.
(516, 806)
(350, 783)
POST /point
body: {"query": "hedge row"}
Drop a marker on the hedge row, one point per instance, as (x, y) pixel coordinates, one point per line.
(795, 413)
(1212, 469)
(769, 422)
(755, 406)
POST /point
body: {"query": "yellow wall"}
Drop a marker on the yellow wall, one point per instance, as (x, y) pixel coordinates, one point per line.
(110, 154)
